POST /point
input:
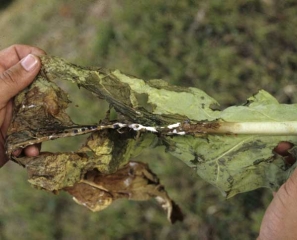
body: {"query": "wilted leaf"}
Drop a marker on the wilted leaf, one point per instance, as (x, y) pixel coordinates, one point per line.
(185, 120)
(133, 181)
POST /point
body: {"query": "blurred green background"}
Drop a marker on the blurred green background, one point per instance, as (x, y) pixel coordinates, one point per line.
(230, 49)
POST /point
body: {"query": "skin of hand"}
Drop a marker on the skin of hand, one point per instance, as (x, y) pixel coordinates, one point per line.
(280, 219)
(19, 64)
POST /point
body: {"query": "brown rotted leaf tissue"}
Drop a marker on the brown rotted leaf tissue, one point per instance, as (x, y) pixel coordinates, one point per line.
(100, 171)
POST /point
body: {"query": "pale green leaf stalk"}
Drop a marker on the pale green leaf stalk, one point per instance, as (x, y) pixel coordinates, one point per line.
(256, 128)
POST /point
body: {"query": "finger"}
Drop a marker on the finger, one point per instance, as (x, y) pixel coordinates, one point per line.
(283, 147)
(19, 76)
(7, 113)
(13, 54)
(32, 151)
(17, 152)
(3, 157)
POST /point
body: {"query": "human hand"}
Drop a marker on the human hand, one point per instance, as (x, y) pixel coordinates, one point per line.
(280, 219)
(19, 65)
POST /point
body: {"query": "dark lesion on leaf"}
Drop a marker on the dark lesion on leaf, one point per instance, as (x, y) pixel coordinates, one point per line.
(198, 158)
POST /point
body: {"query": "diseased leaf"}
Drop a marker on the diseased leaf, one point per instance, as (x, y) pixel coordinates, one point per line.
(133, 181)
(232, 149)
(234, 164)
(240, 163)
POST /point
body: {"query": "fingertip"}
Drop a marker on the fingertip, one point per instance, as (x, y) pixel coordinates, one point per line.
(17, 152)
(30, 62)
(19, 76)
(32, 151)
(283, 147)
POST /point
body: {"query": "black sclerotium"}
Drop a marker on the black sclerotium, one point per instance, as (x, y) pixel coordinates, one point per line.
(74, 131)
(82, 130)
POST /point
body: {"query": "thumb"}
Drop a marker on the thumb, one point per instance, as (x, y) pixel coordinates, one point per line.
(19, 76)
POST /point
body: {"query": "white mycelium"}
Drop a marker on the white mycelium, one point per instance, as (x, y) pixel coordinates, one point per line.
(139, 127)
(175, 125)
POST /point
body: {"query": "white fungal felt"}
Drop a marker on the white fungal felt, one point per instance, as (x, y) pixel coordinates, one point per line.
(30, 106)
(175, 132)
(138, 127)
(175, 125)
(120, 125)
(181, 133)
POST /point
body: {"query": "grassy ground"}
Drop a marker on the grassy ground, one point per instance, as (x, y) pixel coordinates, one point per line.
(230, 49)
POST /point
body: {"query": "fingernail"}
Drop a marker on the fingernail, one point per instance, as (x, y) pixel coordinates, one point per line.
(29, 62)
